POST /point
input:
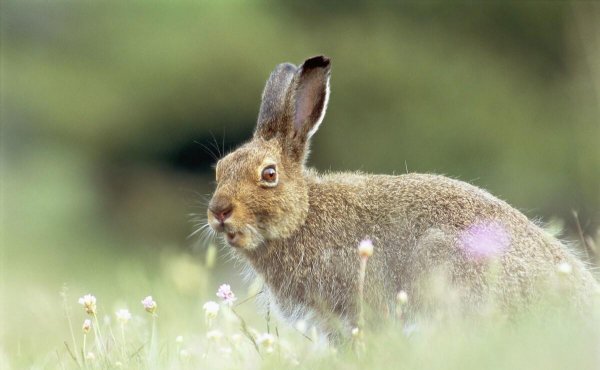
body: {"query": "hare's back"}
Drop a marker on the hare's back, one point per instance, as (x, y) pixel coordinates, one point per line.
(430, 199)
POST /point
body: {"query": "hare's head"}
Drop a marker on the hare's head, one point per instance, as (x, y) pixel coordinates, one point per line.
(261, 192)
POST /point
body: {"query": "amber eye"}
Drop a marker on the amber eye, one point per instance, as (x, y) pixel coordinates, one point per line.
(269, 174)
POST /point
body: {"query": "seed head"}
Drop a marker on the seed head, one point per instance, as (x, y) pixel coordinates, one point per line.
(87, 325)
(365, 248)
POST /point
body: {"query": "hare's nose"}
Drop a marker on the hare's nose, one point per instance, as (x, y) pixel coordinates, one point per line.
(221, 210)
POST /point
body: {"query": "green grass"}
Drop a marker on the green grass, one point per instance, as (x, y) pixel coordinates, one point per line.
(236, 338)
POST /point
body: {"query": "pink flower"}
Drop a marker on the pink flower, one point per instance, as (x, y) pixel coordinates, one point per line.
(484, 240)
(149, 304)
(226, 294)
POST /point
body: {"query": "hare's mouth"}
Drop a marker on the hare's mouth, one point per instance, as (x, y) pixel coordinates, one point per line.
(233, 238)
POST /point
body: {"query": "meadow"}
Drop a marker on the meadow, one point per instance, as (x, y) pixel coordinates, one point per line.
(180, 313)
(113, 114)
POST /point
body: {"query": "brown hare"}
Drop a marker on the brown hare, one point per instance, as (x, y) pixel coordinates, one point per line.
(299, 229)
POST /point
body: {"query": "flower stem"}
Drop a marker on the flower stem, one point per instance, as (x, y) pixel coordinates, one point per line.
(361, 289)
(83, 349)
(123, 342)
(68, 315)
(359, 344)
(245, 331)
(153, 354)
(98, 335)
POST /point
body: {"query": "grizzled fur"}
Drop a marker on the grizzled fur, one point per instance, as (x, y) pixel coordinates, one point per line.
(301, 233)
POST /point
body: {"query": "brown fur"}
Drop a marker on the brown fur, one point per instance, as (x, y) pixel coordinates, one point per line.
(301, 235)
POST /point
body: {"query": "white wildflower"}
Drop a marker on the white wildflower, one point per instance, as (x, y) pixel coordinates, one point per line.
(301, 326)
(123, 316)
(365, 248)
(88, 302)
(266, 341)
(402, 297)
(214, 335)
(211, 309)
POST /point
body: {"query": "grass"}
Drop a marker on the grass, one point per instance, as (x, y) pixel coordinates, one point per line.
(177, 329)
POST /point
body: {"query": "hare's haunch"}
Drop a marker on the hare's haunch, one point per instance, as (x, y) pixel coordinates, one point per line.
(299, 230)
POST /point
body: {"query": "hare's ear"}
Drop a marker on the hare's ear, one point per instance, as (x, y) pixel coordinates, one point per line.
(273, 109)
(293, 105)
(309, 97)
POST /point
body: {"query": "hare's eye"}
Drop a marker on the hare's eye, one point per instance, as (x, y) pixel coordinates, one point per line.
(269, 174)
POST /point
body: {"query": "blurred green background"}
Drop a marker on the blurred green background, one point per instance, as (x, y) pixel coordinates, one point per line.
(108, 107)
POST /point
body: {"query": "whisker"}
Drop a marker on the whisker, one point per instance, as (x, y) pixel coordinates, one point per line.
(207, 236)
(255, 232)
(198, 230)
(216, 145)
(209, 151)
(223, 138)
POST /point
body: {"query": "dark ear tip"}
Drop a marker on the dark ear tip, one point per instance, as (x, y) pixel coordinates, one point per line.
(316, 62)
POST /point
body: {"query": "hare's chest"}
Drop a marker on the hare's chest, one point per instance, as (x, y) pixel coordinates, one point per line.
(308, 306)
(313, 289)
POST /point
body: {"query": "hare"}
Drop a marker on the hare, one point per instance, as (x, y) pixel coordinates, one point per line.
(299, 229)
